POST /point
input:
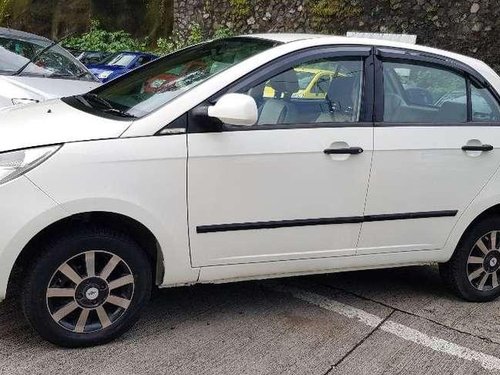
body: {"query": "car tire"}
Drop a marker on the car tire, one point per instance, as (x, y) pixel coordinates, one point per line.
(87, 287)
(473, 273)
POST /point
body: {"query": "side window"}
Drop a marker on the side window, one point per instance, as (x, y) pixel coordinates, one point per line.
(320, 91)
(419, 93)
(484, 105)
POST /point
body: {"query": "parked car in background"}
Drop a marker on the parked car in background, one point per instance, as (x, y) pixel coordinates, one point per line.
(90, 58)
(184, 171)
(34, 69)
(120, 64)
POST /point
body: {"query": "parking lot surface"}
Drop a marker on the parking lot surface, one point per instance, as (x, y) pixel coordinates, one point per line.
(372, 322)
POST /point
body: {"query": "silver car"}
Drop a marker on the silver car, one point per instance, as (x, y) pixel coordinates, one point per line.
(34, 69)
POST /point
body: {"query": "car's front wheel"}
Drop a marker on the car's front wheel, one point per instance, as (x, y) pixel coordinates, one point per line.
(473, 272)
(87, 287)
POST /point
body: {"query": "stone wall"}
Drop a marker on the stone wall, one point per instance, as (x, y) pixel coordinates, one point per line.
(471, 27)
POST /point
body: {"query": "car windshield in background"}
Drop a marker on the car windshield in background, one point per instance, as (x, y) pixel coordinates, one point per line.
(148, 88)
(121, 60)
(54, 62)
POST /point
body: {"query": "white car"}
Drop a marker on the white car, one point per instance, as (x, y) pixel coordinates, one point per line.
(184, 172)
(34, 69)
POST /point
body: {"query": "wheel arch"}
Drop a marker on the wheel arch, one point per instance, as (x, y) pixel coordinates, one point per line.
(120, 222)
(467, 222)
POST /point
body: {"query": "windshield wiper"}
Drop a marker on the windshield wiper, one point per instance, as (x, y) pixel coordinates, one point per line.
(108, 108)
(117, 112)
(97, 99)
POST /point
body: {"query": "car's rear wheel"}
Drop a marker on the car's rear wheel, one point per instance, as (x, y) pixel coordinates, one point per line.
(87, 288)
(473, 273)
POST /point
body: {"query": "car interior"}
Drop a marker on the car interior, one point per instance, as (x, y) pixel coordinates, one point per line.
(413, 94)
(290, 105)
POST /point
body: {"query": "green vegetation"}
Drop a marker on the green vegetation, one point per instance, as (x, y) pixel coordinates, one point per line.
(334, 8)
(241, 7)
(97, 39)
(196, 35)
(3, 8)
(12, 8)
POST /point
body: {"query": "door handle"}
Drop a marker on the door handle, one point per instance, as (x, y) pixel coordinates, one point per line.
(485, 148)
(344, 151)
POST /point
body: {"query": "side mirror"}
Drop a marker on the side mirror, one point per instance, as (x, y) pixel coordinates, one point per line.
(235, 109)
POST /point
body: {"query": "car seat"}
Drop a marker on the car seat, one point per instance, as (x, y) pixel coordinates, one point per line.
(341, 100)
(280, 109)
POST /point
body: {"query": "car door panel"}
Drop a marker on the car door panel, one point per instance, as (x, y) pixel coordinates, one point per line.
(271, 193)
(270, 178)
(422, 168)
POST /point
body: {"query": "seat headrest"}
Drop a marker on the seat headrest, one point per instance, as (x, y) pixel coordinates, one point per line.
(453, 112)
(341, 90)
(286, 82)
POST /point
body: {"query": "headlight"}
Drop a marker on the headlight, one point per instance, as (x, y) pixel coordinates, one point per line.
(18, 101)
(104, 75)
(16, 163)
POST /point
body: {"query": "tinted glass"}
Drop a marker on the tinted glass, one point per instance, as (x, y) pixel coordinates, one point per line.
(418, 93)
(484, 105)
(152, 86)
(320, 91)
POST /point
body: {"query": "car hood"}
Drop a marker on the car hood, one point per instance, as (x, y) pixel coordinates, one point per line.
(50, 88)
(53, 122)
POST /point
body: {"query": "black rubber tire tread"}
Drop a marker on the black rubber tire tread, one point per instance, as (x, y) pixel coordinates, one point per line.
(58, 250)
(454, 272)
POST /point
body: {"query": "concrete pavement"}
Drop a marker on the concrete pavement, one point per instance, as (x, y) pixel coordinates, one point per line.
(370, 322)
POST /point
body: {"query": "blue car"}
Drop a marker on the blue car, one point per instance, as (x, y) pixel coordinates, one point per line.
(120, 64)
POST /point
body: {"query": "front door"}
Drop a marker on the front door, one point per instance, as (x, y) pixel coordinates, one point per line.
(293, 186)
(435, 147)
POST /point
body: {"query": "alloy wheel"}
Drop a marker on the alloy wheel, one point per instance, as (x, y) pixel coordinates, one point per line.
(483, 263)
(90, 291)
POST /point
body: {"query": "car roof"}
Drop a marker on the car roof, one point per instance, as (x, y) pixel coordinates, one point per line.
(343, 40)
(323, 39)
(285, 37)
(22, 35)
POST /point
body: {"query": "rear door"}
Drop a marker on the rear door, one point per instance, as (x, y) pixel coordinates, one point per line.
(293, 186)
(436, 144)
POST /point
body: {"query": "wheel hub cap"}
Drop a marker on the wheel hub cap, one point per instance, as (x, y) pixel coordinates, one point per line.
(92, 292)
(492, 261)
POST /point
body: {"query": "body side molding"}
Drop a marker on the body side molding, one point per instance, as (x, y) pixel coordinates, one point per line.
(322, 221)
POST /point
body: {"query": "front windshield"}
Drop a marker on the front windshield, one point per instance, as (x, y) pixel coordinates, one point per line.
(55, 62)
(146, 89)
(121, 60)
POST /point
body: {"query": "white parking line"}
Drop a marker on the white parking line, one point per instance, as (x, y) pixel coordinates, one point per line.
(409, 334)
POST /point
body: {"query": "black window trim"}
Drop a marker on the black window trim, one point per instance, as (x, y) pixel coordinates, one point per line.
(382, 54)
(281, 64)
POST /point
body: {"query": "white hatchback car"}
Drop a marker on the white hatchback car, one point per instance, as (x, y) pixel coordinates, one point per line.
(184, 172)
(34, 69)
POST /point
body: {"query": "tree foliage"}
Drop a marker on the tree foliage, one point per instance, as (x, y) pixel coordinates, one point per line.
(97, 39)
